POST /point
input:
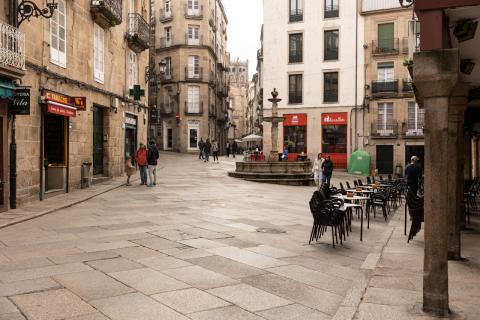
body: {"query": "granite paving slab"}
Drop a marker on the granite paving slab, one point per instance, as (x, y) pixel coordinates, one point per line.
(27, 286)
(12, 276)
(163, 262)
(148, 281)
(114, 265)
(247, 257)
(293, 312)
(230, 313)
(190, 300)
(227, 267)
(199, 277)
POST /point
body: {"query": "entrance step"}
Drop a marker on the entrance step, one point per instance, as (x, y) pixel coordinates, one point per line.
(100, 179)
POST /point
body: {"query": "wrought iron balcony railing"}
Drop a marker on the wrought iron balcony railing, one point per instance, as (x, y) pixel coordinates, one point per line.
(12, 47)
(296, 15)
(414, 130)
(166, 16)
(138, 36)
(192, 41)
(191, 13)
(193, 108)
(106, 13)
(384, 87)
(385, 46)
(384, 129)
(407, 86)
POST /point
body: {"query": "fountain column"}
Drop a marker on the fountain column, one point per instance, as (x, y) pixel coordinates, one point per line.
(274, 119)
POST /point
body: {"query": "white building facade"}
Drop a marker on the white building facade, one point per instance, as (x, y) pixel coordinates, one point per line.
(313, 55)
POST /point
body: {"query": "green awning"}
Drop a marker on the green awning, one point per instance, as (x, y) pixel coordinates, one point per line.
(7, 89)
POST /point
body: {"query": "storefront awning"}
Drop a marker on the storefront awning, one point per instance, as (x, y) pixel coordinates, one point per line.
(61, 109)
(7, 89)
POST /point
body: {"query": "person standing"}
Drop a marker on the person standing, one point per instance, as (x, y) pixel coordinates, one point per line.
(152, 160)
(413, 172)
(129, 169)
(142, 162)
(201, 144)
(317, 169)
(228, 149)
(234, 148)
(215, 150)
(285, 154)
(207, 147)
(327, 170)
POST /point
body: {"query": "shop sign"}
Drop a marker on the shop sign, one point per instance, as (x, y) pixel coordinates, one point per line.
(80, 103)
(61, 110)
(335, 119)
(21, 102)
(58, 103)
(291, 120)
(48, 95)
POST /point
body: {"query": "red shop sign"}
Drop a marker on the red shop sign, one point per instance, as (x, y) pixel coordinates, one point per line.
(334, 119)
(61, 110)
(291, 120)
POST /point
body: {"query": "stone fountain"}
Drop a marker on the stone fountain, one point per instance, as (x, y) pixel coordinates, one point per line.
(272, 170)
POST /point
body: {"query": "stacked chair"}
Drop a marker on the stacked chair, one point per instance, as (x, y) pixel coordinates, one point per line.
(415, 206)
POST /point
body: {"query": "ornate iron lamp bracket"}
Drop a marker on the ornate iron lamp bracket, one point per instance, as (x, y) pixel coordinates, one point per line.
(406, 3)
(28, 9)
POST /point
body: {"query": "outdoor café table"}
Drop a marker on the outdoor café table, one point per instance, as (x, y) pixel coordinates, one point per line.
(355, 198)
(361, 192)
(347, 208)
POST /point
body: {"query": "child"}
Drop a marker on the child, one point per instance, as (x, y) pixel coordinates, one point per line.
(129, 169)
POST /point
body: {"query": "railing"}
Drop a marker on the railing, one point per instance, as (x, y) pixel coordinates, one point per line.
(192, 41)
(296, 15)
(385, 46)
(295, 98)
(379, 87)
(166, 43)
(330, 96)
(331, 12)
(166, 16)
(295, 57)
(374, 5)
(414, 130)
(193, 108)
(382, 129)
(407, 86)
(194, 13)
(12, 47)
(139, 28)
(167, 108)
(110, 9)
(192, 75)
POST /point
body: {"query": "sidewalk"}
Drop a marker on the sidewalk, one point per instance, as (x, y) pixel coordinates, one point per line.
(41, 208)
(394, 289)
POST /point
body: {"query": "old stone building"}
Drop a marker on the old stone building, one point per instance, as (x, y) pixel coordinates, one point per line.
(192, 92)
(238, 77)
(81, 66)
(393, 122)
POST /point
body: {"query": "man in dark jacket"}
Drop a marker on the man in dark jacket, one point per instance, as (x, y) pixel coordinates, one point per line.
(327, 170)
(413, 172)
(207, 147)
(201, 144)
(234, 148)
(152, 159)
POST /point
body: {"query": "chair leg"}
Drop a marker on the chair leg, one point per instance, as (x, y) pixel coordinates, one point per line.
(333, 238)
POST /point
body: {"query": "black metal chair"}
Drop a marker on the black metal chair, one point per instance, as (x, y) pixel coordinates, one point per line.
(355, 183)
(378, 200)
(360, 183)
(348, 185)
(415, 206)
(369, 180)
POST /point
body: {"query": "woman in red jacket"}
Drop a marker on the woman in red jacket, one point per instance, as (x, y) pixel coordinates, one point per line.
(141, 157)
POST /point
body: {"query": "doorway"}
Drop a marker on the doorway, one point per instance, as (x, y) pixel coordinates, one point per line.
(167, 137)
(3, 163)
(411, 151)
(130, 142)
(385, 159)
(98, 137)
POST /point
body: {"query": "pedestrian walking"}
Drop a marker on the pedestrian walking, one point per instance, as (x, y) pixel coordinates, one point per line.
(142, 162)
(228, 149)
(317, 169)
(201, 144)
(215, 151)
(327, 170)
(129, 169)
(234, 148)
(152, 160)
(413, 172)
(207, 147)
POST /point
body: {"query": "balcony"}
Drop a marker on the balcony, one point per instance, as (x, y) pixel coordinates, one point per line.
(331, 12)
(376, 5)
(407, 86)
(12, 50)
(166, 43)
(166, 16)
(195, 74)
(385, 130)
(138, 36)
(191, 13)
(414, 130)
(167, 108)
(189, 41)
(193, 108)
(211, 21)
(106, 13)
(385, 47)
(384, 87)
(295, 57)
(296, 15)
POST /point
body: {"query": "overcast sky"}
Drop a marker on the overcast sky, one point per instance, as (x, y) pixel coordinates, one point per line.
(245, 18)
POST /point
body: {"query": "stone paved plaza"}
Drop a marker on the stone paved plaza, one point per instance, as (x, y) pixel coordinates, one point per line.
(199, 246)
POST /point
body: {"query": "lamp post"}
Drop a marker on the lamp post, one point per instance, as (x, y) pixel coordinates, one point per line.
(151, 76)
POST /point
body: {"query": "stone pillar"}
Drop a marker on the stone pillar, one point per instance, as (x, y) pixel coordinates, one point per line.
(435, 76)
(456, 114)
(274, 136)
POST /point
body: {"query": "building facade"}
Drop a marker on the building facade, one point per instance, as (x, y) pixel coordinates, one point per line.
(313, 56)
(393, 122)
(238, 78)
(192, 94)
(87, 94)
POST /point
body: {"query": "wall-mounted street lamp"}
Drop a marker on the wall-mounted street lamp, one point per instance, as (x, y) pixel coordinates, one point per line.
(28, 9)
(406, 3)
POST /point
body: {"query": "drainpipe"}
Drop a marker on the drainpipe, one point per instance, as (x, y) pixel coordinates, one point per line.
(356, 75)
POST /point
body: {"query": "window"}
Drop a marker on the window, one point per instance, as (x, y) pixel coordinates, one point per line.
(295, 88)
(330, 87)
(168, 8)
(331, 9)
(386, 41)
(386, 72)
(416, 119)
(168, 36)
(330, 45)
(295, 48)
(193, 8)
(296, 10)
(168, 68)
(58, 35)
(132, 69)
(193, 67)
(193, 35)
(193, 136)
(98, 53)
(193, 103)
(385, 123)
